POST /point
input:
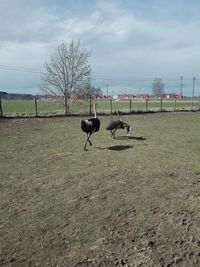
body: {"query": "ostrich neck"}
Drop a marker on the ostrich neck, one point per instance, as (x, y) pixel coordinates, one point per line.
(95, 114)
(119, 116)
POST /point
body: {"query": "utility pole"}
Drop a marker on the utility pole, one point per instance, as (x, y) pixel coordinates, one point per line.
(181, 92)
(107, 91)
(193, 87)
(193, 91)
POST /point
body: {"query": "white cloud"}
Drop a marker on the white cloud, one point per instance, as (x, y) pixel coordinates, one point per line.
(126, 40)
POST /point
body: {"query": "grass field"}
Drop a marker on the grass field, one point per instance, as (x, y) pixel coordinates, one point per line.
(27, 107)
(133, 201)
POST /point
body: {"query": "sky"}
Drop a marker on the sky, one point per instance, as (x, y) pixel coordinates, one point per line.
(132, 42)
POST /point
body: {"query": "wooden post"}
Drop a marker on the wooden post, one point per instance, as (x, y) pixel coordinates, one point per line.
(174, 104)
(111, 106)
(1, 109)
(90, 111)
(130, 105)
(199, 103)
(36, 110)
(160, 104)
(193, 93)
(146, 104)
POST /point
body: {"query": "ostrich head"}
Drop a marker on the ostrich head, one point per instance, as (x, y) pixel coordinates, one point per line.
(128, 129)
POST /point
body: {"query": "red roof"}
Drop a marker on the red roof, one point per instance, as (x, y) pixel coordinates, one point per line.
(126, 96)
(142, 95)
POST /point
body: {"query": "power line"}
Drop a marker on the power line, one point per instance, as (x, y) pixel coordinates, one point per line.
(20, 69)
(96, 77)
(111, 78)
(132, 79)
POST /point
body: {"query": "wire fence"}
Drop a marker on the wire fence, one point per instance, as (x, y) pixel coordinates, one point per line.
(185, 92)
(46, 108)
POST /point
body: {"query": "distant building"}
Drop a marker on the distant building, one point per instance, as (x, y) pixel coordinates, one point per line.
(3, 93)
(109, 97)
(142, 96)
(126, 96)
(171, 95)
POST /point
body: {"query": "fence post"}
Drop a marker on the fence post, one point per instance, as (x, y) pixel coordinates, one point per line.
(130, 105)
(174, 104)
(1, 109)
(160, 104)
(90, 111)
(146, 104)
(36, 110)
(111, 106)
(193, 93)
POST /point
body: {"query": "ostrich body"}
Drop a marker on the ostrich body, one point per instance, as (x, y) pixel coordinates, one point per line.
(90, 126)
(115, 125)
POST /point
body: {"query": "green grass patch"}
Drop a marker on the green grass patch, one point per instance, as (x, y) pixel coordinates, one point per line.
(14, 106)
(131, 200)
(79, 106)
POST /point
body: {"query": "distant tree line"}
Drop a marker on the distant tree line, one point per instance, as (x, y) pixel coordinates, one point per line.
(12, 96)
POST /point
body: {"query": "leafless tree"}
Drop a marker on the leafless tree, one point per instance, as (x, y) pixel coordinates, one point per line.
(158, 86)
(66, 71)
(88, 92)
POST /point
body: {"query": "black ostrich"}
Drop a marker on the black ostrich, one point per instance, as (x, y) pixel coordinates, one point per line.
(115, 125)
(90, 126)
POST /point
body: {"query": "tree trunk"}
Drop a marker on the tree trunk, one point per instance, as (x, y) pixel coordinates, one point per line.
(66, 106)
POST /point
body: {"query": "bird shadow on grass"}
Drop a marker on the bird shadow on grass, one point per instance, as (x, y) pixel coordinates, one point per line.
(139, 138)
(119, 148)
(116, 148)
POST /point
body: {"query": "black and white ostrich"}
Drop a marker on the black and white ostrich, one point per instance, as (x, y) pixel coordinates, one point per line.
(115, 125)
(90, 126)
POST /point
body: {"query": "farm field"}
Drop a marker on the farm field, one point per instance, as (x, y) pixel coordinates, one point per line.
(132, 201)
(27, 107)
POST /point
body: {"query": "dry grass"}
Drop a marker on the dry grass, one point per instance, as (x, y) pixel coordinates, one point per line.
(125, 202)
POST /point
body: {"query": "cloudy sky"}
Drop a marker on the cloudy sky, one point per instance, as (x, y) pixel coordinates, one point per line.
(132, 41)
